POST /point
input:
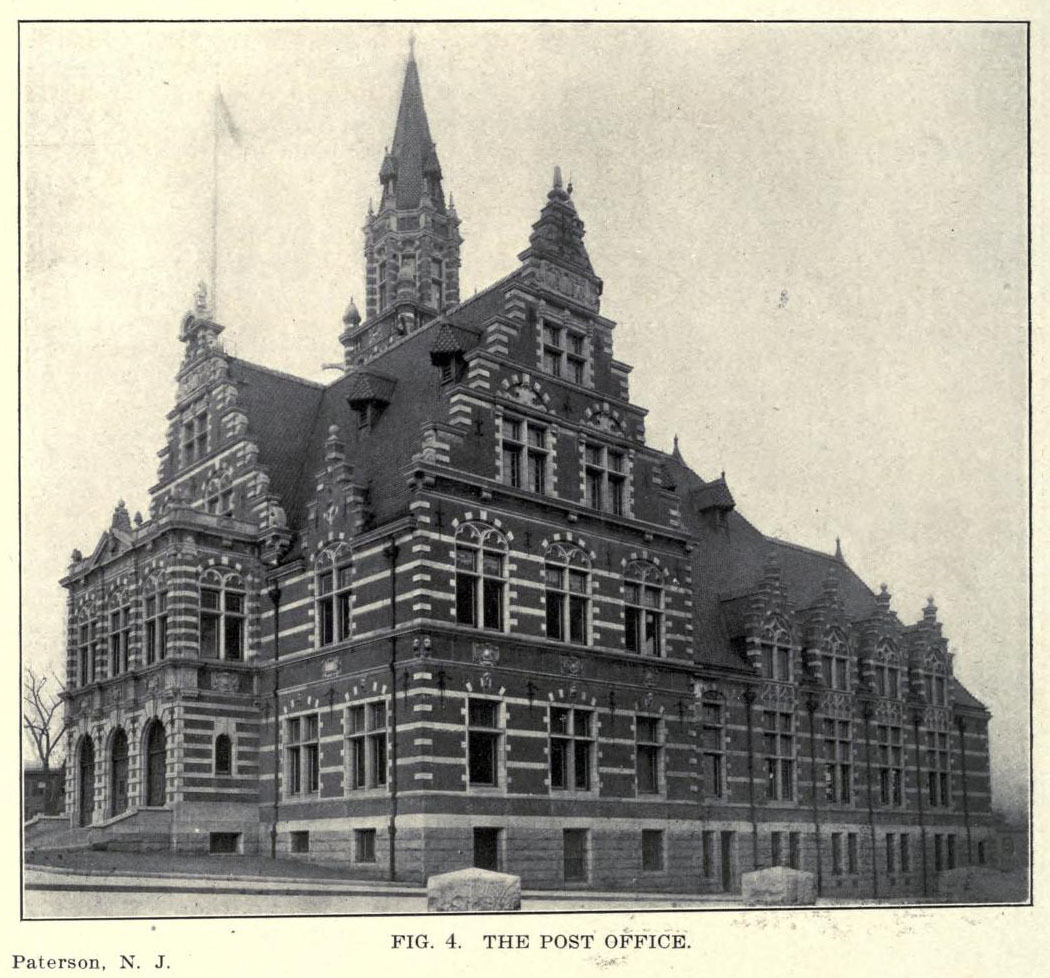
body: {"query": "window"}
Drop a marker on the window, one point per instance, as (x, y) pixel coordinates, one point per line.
(938, 790)
(303, 772)
(218, 496)
(89, 648)
(119, 639)
(524, 455)
(776, 659)
(195, 432)
(571, 749)
(652, 850)
(381, 285)
(334, 621)
(951, 851)
(483, 741)
(777, 856)
(222, 605)
(936, 689)
(480, 566)
(156, 623)
(223, 755)
(712, 746)
(891, 853)
(838, 751)
(938, 852)
(367, 738)
(574, 854)
(794, 847)
(836, 853)
(779, 745)
(707, 853)
(836, 668)
(890, 755)
(437, 283)
(982, 853)
(851, 854)
(604, 478)
(643, 609)
(887, 680)
(905, 854)
(364, 845)
(647, 755)
(567, 594)
(564, 353)
(299, 841)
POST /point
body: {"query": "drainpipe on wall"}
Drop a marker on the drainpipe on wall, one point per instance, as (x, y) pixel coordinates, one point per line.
(867, 713)
(749, 699)
(916, 718)
(275, 598)
(811, 708)
(390, 551)
(960, 722)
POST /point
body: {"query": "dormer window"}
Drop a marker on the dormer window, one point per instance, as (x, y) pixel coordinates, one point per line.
(369, 394)
(368, 414)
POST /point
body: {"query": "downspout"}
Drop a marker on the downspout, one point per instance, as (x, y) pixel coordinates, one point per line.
(749, 699)
(391, 552)
(871, 801)
(275, 598)
(811, 709)
(915, 718)
(961, 724)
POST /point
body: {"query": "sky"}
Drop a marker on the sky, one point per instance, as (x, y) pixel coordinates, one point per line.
(812, 238)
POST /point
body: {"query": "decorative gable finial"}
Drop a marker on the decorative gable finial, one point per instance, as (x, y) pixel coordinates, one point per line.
(557, 178)
(200, 299)
(838, 549)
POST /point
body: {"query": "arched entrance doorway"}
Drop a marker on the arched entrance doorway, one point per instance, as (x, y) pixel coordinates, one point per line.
(118, 780)
(156, 764)
(86, 775)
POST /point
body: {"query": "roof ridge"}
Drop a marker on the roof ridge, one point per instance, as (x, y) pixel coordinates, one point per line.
(803, 549)
(278, 373)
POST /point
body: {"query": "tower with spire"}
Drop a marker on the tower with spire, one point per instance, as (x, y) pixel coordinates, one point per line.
(412, 241)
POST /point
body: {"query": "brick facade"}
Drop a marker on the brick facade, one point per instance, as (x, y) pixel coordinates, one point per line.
(509, 630)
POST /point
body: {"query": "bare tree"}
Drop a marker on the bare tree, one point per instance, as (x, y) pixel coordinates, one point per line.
(42, 715)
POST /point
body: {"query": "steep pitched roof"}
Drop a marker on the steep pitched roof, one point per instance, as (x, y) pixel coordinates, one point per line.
(281, 410)
(413, 151)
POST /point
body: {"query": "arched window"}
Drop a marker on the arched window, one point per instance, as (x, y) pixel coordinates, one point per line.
(223, 754)
(888, 672)
(480, 567)
(334, 571)
(222, 617)
(86, 777)
(156, 744)
(836, 663)
(566, 574)
(155, 620)
(118, 782)
(218, 495)
(643, 599)
(776, 654)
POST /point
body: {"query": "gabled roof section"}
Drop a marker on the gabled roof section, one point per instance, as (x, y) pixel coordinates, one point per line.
(452, 340)
(558, 234)
(369, 385)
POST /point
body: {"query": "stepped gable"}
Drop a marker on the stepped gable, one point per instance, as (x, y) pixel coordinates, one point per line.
(281, 409)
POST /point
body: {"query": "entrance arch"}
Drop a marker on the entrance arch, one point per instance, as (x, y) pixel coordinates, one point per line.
(156, 765)
(86, 775)
(118, 773)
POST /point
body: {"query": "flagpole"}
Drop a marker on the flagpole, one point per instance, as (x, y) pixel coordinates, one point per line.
(215, 205)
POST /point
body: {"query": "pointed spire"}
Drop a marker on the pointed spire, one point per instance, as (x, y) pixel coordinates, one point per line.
(412, 160)
(838, 549)
(676, 453)
(557, 178)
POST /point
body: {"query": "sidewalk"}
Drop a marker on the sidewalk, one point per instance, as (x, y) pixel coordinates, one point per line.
(101, 881)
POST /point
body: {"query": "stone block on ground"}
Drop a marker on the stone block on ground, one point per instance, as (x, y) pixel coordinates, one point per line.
(465, 890)
(779, 886)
